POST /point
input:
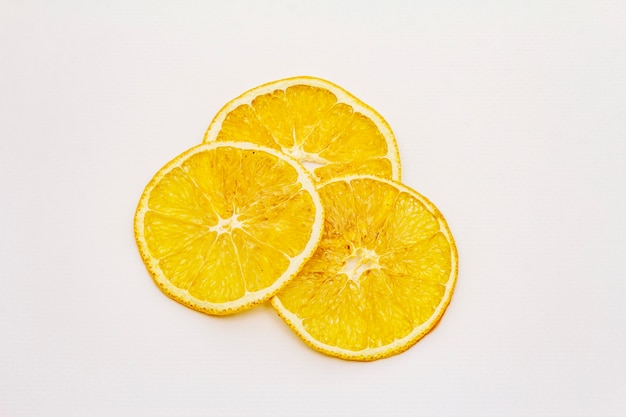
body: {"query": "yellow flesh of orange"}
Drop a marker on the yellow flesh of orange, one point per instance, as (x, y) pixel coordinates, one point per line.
(310, 124)
(226, 222)
(380, 271)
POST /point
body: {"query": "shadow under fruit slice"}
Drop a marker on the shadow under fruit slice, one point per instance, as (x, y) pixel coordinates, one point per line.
(225, 225)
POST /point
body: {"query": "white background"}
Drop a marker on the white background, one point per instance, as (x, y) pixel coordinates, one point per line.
(510, 116)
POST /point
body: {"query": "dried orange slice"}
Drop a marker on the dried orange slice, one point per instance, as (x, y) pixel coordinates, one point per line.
(381, 277)
(329, 130)
(224, 226)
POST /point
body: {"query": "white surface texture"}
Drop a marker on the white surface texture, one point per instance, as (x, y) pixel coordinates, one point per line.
(510, 116)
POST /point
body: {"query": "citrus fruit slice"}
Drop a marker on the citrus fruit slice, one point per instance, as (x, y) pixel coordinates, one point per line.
(322, 125)
(381, 277)
(224, 226)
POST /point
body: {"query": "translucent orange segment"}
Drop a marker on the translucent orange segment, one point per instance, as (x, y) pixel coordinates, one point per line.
(178, 196)
(373, 213)
(329, 256)
(339, 219)
(307, 106)
(261, 263)
(243, 125)
(422, 277)
(342, 323)
(387, 319)
(184, 267)
(296, 296)
(329, 128)
(286, 227)
(232, 179)
(408, 223)
(221, 277)
(352, 212)
(263, 180)
(431, 261)
(273, 112)
(317, 274)
(213, 176)
(166, 235)
(359, 139)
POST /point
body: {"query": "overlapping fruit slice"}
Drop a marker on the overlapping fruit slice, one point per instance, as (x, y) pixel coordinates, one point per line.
(381, 277)
(322, 125)
(225, 225)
